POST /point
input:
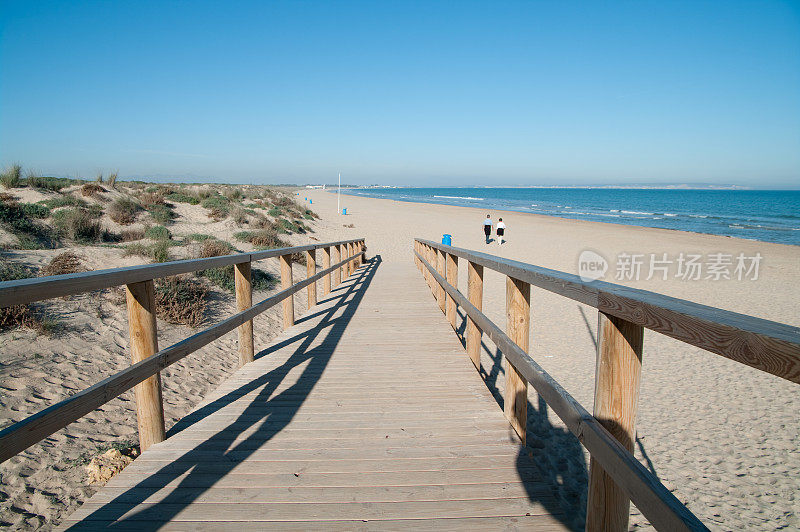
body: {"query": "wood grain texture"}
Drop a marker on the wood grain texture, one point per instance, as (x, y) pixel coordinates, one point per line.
(440, 268)
(337, 274)
(762, 344)
(244, 300)
(650, 496)
(286, 282)
(311, 270)
(290, 439)
(35, 289)
(451, 268)
(475, 294)
(518, 319)
(616, 398)
(141, 301)
(326, 263)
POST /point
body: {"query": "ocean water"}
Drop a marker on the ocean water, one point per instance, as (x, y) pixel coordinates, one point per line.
(765, 215)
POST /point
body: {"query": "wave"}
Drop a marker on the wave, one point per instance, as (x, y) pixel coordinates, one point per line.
(638, 212)
(460, 197)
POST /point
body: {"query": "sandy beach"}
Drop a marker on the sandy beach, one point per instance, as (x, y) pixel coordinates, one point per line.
(722, 436)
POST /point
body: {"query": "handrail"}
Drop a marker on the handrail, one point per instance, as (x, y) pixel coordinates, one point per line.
(38, 288)
(654, 500)
(762, 344)
(22, 434)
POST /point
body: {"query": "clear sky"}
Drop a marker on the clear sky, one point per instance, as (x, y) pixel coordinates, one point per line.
(433, 93)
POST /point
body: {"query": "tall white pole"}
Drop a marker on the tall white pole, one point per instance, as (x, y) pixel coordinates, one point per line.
(338, 193)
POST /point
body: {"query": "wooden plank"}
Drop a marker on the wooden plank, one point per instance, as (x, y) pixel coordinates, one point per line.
(649, 495)
(311, 270)
(326, 263)
(451, 269)
(314, 511)
(244, 300)
(286, 282)
(518, 317)
(440, 267)
(141, 300)
(616, 398)
(475, 293)
(527, 522)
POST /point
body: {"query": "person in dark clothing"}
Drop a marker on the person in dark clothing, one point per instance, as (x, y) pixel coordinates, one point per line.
(487, 227)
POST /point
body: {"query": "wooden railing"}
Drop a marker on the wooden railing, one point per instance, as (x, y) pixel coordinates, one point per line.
(147, 360)
(616, 476)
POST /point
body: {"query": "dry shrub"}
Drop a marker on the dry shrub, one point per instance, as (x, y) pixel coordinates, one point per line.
(18, 316)
(78, 224)
(131, 235)
(213, 248)
(92, 190)
(181, 300)
(239, 216)
(67, 262)
(124, 211)
(151, 199)
(5, 197)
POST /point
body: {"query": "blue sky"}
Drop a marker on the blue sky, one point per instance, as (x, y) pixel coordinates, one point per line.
(433, 93)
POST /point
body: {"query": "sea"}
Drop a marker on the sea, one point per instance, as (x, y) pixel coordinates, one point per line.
(763, 215)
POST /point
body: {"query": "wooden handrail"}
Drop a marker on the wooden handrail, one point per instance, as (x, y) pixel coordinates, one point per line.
(38, 288)
(21, 435)
(652, 498)
(762, 344)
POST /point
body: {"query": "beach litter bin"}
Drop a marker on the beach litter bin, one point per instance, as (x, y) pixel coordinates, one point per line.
(447, 240)
(344, 211)
(311, 201)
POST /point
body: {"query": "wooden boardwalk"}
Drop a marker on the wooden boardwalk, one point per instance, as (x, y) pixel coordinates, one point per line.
(367, 414)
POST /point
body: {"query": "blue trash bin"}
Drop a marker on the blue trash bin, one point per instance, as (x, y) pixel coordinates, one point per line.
(447, 240)
(344, 211)
(311, 201)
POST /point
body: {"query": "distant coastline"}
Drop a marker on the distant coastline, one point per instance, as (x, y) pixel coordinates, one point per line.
(762, 215)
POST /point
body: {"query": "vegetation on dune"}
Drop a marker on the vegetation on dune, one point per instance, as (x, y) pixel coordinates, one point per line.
(157, 252)
(224, 277)
(181, 300)
(64, 200)
(181, 197)
(92, 190)
(22, 315)
(16, 219)
(158, 232)
(131, 235)
(53, 184)
(11, 177)
(262, 239)
(63, 263)
(78, 224)
(218, 206)
(124, 210)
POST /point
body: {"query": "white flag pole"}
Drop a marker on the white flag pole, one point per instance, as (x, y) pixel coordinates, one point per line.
(338, 193)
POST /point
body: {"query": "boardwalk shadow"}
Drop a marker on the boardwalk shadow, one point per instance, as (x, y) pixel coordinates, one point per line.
(264, 416)
(557, 453)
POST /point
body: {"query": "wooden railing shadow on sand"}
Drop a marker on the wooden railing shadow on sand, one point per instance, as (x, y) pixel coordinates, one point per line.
(616, 477)
(147, 360)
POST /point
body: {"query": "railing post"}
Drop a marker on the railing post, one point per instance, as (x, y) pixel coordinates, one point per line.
(141, 299)
(326, 263)
(343, 255)
(244, 300)
(349, 256)
(475, 294)
(311, 270)
(286, 282)
(440, 268)
(616, 399)
(518, 314)
(452, 279)
(337, 273)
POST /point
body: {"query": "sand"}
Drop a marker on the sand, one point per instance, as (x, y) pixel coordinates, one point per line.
(722, 436)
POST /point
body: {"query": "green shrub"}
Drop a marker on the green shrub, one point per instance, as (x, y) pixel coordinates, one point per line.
(254, 206)
(161, 213)
(234, 194)
(65, 200)
(275, 212)
(124, 210)
(78, 224)
(34, 210)
(11, 177)
(198, 237)
(180, 197)
(219, 207)
(158, 232)
(131, 235)
(158, 252)
(54, 184)
(17, 316)
(285, 226)
(31, 235)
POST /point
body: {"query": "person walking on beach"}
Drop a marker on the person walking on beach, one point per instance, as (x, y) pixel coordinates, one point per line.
(487, 227)
(501, 231)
